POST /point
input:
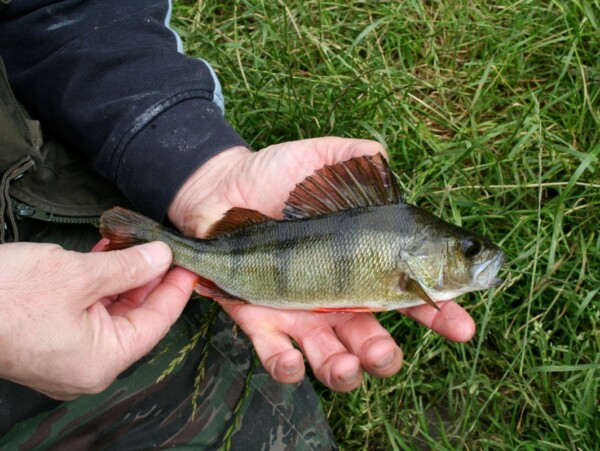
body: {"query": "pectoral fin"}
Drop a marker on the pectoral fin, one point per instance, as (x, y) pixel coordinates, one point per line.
(405, 283)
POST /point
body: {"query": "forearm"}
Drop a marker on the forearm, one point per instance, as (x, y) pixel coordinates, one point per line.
(106, 77)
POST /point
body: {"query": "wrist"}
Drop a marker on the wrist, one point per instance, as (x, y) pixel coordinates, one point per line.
(208, 193)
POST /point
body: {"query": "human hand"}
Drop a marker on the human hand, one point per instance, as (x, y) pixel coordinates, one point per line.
(338, 346)
(71, 322)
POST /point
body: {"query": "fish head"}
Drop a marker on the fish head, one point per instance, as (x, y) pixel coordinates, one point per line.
(449, 260)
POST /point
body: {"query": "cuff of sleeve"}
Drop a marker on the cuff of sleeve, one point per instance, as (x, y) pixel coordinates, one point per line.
(168, 149)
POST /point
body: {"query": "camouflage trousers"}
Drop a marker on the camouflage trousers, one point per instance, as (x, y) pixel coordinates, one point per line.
(239, 406)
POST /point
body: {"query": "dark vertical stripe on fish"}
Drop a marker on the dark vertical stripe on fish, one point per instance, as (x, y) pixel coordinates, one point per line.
(343, 252)
(281, 265)
(298, 265)
(236, 255)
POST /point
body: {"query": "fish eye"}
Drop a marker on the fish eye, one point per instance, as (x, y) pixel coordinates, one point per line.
(471, 247)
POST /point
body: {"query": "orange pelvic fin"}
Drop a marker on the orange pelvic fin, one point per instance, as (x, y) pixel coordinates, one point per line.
(209, 289)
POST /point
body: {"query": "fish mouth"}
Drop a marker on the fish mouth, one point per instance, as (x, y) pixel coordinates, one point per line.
(484, 273)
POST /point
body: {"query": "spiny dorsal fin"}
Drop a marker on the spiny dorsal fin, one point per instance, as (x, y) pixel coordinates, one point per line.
(236, 218)
(358, 182)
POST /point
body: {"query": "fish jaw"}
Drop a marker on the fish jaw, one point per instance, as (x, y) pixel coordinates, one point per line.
(484, 276)
(442, 281)
(485, 273)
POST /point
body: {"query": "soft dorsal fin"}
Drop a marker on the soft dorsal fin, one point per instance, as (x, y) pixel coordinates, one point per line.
(236, 218)
(358, 182)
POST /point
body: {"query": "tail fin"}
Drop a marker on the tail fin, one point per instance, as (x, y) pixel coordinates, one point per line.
(125, 228)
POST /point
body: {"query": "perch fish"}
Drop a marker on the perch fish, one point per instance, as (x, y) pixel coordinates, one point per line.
(347, 242)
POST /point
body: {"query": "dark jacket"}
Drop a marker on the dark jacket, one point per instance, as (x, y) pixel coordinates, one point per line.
(109, 79)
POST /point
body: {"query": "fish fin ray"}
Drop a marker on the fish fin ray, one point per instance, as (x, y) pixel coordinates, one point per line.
(409, 285)
(234, 219)
(209, 289)
(122, 228)
(359, 182)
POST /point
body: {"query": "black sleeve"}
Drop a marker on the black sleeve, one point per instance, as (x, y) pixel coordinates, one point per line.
(108, 77)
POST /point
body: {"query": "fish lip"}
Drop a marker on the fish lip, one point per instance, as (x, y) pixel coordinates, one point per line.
(496, 282)
(488, 269)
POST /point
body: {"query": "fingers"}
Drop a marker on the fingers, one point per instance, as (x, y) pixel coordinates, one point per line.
(286, 366)
(265, 327)
(121, 304)
(346, 344)
(100, 245)
(330, 360)
(279, 357)
(115, 272)
(338, 346)
(366, 338)
(140, 329)
(334, 149)
(451, 322)
(270, 331)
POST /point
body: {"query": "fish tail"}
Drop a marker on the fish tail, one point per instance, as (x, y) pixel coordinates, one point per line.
(125, 228)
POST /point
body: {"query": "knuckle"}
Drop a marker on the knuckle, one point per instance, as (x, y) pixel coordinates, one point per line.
(91, 380)
(86, 279)
(127, 265)
(69, 264)
(99, 387)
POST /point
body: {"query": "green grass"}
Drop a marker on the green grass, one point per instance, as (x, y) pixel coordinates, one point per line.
(490, 112)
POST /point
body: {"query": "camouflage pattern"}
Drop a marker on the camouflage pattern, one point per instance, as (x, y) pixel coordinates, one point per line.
(137, 412)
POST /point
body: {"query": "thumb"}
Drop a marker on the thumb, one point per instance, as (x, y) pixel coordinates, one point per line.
(333, 149)
(141, 328)
(116, 272)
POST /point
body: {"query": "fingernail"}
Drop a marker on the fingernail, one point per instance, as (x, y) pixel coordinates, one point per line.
(384, 361)
(291, 368)
(450, 313)
(350, 377)
(156, 253)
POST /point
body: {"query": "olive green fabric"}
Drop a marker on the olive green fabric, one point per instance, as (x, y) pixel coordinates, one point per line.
(19, 135)
(58, 181)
